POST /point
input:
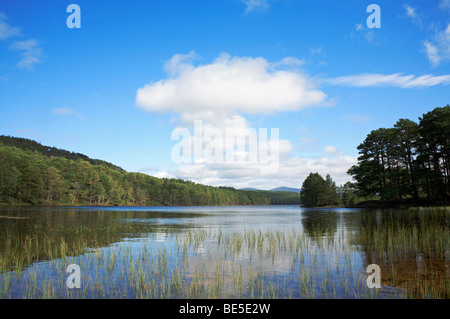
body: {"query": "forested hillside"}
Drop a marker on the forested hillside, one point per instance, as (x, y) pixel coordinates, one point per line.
(27, 176)
(30, 145)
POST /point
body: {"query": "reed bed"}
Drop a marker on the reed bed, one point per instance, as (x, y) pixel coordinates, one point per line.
(36, 243)
(199, 264)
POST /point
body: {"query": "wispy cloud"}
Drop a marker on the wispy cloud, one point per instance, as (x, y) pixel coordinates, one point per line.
(413, 14)
(432, 53)
(410, 11)
(65, 111)
(26, 130)
(333, 151)
(6, 30)
(4, 78)
(356, 118)
(395, 80)
(29, 49)
(317, 50)
(309, 144)
(364, 33)
(288, 62)
(302, 129)
(255, 5)
(30, 52)
(444, 4)
(438, 48)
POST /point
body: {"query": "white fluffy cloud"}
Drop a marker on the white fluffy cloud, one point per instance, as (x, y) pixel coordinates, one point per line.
(331, 149)
(229, 85)
(293, 170)
(397, 80)
(163, 174)
(219, 94)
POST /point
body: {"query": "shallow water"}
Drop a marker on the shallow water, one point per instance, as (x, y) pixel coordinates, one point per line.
(223, 252)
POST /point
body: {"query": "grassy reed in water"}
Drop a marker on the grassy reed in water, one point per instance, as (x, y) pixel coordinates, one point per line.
(411, 247)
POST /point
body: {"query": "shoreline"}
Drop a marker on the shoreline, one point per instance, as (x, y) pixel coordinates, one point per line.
(3, 205)
(401, 203)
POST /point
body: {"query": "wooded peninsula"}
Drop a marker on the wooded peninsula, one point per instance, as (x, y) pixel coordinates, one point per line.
(408, 164)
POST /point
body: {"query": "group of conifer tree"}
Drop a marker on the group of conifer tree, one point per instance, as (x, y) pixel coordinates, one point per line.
(407, 161)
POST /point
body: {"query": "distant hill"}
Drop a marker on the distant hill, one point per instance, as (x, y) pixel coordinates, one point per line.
(30, 145)
(249, 189)
(286, 189)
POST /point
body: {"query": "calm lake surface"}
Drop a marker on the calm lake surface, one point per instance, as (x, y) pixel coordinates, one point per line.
(223, 252)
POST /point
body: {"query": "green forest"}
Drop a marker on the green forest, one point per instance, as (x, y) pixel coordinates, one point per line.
(33, 174)
(409, 161)
(317, 191)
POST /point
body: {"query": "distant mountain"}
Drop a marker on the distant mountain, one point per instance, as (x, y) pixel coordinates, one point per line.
(278, 189)
(286, 189)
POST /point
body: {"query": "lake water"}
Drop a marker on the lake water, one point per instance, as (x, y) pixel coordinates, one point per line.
(223, 252)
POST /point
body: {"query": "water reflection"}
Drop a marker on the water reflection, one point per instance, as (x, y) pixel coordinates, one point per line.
(265, 251)
(320, 223)
(411, 247)
(30, 235)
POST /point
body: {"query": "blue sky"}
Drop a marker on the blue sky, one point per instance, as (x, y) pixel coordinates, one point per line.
(77, 89)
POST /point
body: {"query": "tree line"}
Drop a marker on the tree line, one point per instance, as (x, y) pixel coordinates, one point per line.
(407, 161)
(27, 176)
